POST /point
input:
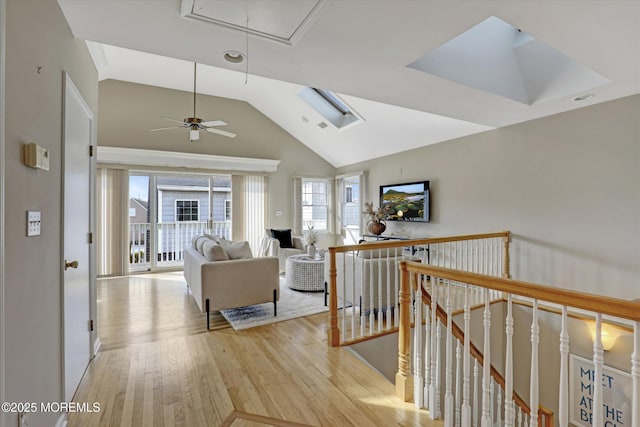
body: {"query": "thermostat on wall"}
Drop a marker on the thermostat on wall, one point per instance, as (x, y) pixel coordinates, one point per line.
(36, 156)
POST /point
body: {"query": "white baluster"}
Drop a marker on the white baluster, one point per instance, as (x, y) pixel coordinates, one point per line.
(563, 403)
(418, 379)
(499, 405)
(508, 370)
(448, 388)
(598, 361)
(372, 310)
(359, 298)
(389, 292)
(486, 364)
(343, 332)
(379, 302)
(519, 417)
(434, 350)
(635, 375)
(533, 388)
(427, 357)
(438, 370)
(491, 400)
(458, 381)
(354, 297)
(475, 393)
(466, 407)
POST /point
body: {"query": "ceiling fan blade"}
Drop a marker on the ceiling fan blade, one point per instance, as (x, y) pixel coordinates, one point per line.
(174, 120)
(213, 123)
(172, 127)
(221, 132)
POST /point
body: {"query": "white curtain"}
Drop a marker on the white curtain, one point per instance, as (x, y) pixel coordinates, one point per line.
(297, 206)
(255, 191)
(112, 207)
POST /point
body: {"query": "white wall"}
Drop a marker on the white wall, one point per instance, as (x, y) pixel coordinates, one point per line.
(37, 36)
(565, 185)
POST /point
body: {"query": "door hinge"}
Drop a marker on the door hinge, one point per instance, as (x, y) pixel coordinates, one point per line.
(90, 238)
(91, 151)
(91, 325)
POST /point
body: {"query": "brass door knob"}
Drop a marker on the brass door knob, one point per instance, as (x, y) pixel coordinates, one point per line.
(70, 264)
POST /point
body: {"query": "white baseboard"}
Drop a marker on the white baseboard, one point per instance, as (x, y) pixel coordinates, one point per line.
(62, 420)
(96, 346)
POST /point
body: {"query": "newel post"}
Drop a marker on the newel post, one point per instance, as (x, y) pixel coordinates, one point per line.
(404, 381)
(506, 273)
(334, 332)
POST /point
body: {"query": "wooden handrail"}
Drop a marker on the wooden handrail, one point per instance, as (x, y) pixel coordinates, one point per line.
(616, 307)
(384, 244)
(333, 330)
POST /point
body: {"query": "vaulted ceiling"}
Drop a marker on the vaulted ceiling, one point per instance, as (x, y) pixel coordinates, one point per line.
(361, 51)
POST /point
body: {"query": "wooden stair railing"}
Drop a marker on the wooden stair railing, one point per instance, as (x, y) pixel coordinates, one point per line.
(545, 416)
(412, 272)
(484, 253)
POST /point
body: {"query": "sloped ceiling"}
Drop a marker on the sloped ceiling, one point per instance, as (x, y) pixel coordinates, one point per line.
(361, 49)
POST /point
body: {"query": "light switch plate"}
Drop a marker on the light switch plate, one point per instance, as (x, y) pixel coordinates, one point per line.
(33, 223)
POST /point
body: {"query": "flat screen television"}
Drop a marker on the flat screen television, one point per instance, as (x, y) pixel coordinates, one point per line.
(406, 202)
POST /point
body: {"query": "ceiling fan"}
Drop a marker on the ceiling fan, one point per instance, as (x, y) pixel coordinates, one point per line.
(195, 124)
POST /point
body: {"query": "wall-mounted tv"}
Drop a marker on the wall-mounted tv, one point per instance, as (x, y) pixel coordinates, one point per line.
(406, 202)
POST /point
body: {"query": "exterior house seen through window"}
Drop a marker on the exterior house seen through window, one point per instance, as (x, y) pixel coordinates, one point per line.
(186, 210)
(315, 203)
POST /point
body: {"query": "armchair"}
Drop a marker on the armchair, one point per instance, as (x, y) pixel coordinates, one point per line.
(281, 244)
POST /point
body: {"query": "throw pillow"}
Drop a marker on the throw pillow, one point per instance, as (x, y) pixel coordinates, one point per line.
(200, 242)
(213, 237)
(283, 236)
(214, 252)
(236, 250)
(194, 241)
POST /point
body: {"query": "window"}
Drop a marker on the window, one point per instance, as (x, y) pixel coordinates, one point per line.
(315, 203)
(330, 106)
(186, 210)
(227, 210)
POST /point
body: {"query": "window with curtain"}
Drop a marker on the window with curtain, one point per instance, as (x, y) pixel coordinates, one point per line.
(315, 203)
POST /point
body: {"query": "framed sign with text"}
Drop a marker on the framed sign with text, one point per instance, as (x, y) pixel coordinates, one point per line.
(616, 394)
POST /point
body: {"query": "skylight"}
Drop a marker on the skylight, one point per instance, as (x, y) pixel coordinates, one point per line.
(494, 56)
(330, 106)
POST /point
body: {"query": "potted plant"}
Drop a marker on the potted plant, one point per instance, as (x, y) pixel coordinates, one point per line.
(376, 218)
(311, 238)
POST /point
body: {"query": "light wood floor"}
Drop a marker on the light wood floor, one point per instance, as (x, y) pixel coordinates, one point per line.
(160, 367)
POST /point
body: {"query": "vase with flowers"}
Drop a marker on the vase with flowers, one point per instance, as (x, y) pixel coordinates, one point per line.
(311, 238)
(376, 223)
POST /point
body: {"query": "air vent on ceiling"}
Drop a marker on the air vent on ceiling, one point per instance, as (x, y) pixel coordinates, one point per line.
(283, 21)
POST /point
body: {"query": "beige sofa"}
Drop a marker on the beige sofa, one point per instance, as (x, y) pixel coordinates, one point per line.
(223, 274)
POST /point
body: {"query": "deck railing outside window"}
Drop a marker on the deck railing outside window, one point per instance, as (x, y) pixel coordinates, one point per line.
(172, 238)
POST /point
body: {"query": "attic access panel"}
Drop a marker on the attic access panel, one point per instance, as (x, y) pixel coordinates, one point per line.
(283, 21)
(494, 56)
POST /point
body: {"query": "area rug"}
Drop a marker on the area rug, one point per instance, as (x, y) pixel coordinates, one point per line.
(292, 304)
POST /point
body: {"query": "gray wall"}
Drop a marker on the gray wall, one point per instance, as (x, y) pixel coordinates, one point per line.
(565, 185)
(37, 35)
(129, 110)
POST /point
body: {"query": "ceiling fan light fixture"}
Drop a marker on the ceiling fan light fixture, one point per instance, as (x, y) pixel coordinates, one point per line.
(194, 135)
(233, 56)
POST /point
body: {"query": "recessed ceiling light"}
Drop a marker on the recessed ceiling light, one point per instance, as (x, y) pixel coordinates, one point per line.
(233, 56)
(584, 97)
